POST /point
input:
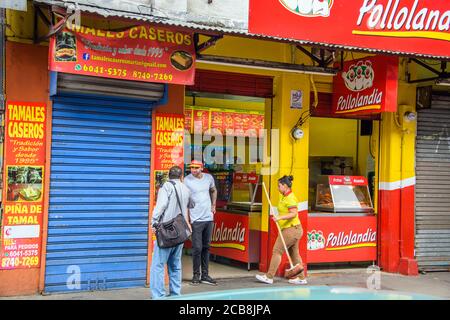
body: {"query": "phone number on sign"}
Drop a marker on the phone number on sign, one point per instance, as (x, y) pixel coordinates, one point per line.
(25, 253)
(20, 262)
(116, 72)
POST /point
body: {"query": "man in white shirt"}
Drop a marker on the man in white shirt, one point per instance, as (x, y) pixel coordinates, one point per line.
(204, 195)
(167, 205)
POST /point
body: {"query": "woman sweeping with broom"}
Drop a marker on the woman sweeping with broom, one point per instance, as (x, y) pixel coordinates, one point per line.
(290, 232)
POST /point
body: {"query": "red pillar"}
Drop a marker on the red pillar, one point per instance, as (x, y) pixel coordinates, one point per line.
(397, 231)
(389, 230)
(408, 264)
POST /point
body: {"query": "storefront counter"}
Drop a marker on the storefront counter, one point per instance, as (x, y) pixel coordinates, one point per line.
(341, 237)
(236, 235)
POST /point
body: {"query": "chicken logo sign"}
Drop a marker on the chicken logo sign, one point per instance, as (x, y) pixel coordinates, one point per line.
(309, 8)
(366, 86)
(316, 240)
(359, 76)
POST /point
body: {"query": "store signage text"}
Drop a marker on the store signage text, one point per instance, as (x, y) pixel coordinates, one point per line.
(407, 26)
(140, 53)
(343, 241)
(411, 17)
(24, 185)
(168, 147)
(339, 239)
(367, 85)
(229, 237)
(348, 180)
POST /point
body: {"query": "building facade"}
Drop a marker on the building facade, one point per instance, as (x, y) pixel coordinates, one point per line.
(103, 144)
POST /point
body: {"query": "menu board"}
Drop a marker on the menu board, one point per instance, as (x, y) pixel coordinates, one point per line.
(201, 120)
(227, 121)
(188, 119)
(218, 121)
(238, 125)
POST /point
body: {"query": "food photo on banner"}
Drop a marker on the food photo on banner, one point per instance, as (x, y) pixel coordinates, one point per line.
(140, 53)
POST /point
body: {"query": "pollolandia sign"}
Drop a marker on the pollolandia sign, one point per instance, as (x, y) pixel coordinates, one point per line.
(409, 26)
(365, 86)
(348, 180)
(340, 239)
(140, 53)
(230, 236)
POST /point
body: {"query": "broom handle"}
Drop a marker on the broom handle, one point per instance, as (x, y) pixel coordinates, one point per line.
(279, 229)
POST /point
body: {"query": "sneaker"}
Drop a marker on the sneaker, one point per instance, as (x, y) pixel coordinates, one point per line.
(263, 278)
(298, 281)
(195, 280)
(208, 280)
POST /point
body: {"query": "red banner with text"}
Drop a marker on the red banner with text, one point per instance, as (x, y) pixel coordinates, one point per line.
(231, 236)
(342, 239)
(168, 146)
(407, 26)
(366, 86)
(25, 125)
(141, 53)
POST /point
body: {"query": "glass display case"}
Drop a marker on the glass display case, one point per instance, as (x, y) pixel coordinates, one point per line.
(343, 194)
(246, 192)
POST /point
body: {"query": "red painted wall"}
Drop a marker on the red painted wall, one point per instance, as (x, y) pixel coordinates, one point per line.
(389, 229)
(26, 80)
(175, 101)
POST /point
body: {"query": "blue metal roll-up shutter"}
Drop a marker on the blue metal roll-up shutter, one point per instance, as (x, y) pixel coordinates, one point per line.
(99, 194)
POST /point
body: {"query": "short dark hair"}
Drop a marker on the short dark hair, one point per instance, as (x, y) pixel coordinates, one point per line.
(286, 180)
(175, 172)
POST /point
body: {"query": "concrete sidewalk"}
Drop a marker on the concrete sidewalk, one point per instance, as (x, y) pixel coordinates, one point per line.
(436, 284)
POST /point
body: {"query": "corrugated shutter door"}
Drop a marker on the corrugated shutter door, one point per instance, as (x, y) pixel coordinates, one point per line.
(433, 185)
(99, 194)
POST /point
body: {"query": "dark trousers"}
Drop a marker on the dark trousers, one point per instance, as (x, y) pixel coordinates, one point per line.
(201, 239)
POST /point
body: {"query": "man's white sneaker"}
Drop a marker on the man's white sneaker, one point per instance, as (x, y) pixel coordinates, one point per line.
(298, 281)
(263, 278)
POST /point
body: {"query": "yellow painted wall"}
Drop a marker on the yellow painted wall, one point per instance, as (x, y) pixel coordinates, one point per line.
(333, 137)
(338, 137)
(398, 136)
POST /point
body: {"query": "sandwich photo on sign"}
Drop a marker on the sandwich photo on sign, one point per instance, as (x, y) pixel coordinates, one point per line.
(181, 60)
(65, 47)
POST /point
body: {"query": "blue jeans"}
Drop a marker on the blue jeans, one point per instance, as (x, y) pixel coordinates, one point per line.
(161, 257)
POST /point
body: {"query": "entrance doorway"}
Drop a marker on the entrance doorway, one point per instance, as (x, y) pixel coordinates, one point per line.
(225, 115)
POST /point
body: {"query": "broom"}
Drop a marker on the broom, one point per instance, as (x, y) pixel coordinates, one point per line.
(293, 271)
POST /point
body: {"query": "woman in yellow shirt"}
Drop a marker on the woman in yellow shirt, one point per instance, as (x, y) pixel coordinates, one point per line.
(292, 230)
